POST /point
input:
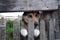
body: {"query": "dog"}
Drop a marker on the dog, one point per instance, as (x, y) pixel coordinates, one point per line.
(34, 15)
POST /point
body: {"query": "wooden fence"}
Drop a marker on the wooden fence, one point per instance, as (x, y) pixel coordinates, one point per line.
(16, 30)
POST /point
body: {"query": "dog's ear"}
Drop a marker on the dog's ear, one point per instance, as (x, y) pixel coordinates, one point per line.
(25, 13)
(25, 20)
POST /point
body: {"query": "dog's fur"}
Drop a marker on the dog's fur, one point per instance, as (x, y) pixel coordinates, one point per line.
(32, 14)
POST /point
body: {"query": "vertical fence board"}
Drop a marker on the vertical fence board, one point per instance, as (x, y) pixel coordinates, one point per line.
(16, 30)
(31, 30)
(51, 30)
(42, 30)
(2, 29)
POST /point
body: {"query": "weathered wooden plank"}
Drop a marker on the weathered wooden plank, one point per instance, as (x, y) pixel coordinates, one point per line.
(56, 24)
(16, 30)
(2, 29)
(51, 30)
(42, 30)
(31, 30)
(42, 4)
(26, 5)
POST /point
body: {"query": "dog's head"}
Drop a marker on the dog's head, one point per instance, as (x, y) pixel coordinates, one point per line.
(34, 15)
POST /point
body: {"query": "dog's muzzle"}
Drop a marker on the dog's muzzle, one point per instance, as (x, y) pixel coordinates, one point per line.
(36, 24)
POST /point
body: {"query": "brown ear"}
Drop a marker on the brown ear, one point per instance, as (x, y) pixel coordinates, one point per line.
(24, 21)
(25, 13)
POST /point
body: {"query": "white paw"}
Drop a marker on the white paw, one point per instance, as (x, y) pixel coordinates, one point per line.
(36, 32)
(24, 32)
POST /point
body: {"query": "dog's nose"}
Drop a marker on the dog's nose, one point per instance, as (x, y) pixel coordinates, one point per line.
(36, 24)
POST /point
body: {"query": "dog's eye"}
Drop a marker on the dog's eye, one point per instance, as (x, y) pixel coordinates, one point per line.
(30, 16)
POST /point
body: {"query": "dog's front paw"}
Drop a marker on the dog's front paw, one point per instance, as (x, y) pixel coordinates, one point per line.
(36, 32)
(24, 32)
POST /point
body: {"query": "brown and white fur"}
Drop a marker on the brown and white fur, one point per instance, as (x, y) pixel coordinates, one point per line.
(32, 14)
